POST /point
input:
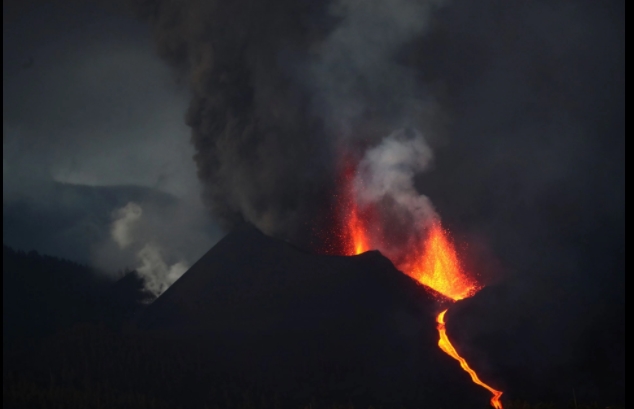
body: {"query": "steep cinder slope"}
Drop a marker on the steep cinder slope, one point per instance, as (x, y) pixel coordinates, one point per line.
(543, 348)
(319, 326)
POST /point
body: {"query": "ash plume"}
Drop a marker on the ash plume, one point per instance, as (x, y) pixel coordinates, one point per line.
(357, 84)
(385, 181)
(388, 170)
(278, 87)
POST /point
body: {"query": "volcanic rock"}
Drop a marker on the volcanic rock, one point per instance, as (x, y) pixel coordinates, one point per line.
(354, 328)
(530, 346)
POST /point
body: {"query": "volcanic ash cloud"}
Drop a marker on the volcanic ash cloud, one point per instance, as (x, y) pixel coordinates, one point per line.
(278, 87)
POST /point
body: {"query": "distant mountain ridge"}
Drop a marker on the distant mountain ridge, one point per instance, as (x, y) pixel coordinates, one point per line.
(65, 220)
(42, 295)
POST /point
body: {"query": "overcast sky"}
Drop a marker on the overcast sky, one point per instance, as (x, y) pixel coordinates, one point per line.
(86, 101)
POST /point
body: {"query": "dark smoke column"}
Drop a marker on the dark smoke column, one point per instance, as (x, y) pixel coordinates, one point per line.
(278, 87)
(261, 156)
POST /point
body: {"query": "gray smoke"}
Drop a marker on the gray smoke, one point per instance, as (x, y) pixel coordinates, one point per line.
(357, 84)
(156, 273)
(388, 170)
(131, 231)
(281, 88)
(385, 183)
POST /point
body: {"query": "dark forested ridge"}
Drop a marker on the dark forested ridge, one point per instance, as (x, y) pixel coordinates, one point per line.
(42, 295)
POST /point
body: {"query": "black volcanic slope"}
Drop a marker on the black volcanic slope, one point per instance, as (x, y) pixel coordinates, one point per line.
(313, 326)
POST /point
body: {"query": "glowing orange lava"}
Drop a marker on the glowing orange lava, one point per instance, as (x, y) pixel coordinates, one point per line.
(357, 231)
(432, 260)
(438, 267)
(355, 220)
(449, 349)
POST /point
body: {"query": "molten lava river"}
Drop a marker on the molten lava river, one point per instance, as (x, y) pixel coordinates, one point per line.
(432, 261)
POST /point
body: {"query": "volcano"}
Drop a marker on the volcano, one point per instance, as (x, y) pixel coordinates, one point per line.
(314, 326)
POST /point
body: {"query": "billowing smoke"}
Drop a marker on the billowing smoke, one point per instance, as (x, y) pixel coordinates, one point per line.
(281, 88)
(387, 172)
(157, 274)
(384, 183)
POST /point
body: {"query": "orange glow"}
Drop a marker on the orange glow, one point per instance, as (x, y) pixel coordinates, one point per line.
(438, 266)
(357, 231)
(355, 219)
(449, 349)
(429, 258)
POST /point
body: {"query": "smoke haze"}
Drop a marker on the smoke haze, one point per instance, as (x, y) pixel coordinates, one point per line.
(388, 170)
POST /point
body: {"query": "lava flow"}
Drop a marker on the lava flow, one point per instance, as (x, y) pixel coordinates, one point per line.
(431, 260)
(440, 269)
(449, 349)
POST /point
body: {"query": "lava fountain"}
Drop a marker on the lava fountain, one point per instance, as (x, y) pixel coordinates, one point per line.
(437, 266)
(356, 220)
(432, 260)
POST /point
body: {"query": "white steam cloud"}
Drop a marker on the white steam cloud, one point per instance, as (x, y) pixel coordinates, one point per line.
(388, 170)
(122, 227)
(157, 274)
